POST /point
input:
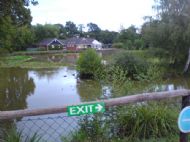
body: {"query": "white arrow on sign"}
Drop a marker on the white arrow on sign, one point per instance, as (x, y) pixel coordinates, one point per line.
(99, 107)
(186, 120)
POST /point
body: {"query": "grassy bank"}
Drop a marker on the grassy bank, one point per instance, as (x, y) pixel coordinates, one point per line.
(42, 52)
(24, 61)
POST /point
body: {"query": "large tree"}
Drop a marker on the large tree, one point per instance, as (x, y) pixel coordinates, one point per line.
(71, 29)
(45, 31)
(129, 38)
(94, 31)
(14, 15)
(170, 31)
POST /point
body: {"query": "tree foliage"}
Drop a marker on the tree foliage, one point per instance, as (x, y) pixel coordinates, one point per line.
(15, 19)
(170, 31)
(71, 29)
(130, 38)
(45, 31)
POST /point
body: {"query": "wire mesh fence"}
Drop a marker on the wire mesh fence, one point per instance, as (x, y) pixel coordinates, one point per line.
(50, 128)
(139, 120)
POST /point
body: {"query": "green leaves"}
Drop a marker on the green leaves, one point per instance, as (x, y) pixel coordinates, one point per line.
(89, 64)
(170, 30)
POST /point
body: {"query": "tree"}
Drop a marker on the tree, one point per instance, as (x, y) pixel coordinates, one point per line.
(7, 33)
(94, 31)
(80, 29)
(14, 15)
(71, 29)
(108, 37)
(24, 38)
(170, 31)
(45, 31)
(93, 27)
(62, 33)
(129, 37)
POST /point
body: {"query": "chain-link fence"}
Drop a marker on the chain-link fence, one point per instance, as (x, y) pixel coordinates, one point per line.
(49, 128)
(142, 120)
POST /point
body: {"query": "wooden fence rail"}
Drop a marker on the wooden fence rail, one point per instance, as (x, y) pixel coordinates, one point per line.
(108, 103)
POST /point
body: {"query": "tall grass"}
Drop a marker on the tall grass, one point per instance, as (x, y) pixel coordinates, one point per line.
(145, 121)
(13, 135)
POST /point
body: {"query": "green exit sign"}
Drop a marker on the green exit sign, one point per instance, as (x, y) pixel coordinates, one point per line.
(86, 109)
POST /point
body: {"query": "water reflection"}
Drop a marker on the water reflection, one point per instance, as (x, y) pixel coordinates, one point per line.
(169, 85)
(89, 90)
(15, 86)
(55, 87)
(69, 58)
(22, 88)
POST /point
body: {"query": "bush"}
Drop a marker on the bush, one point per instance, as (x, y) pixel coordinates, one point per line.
(128, 45)
(118, 45)
(138, 44)
(135, 66)
(89, 64)
(158, 52)
(145, 121)
(3, 52)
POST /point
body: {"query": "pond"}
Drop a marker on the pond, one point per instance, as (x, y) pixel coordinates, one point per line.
(25, 88)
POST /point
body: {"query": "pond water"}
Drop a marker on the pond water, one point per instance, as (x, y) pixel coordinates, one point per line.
(25, 88)
(41, 88)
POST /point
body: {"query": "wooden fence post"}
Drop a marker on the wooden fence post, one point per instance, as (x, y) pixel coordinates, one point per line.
(185, 103)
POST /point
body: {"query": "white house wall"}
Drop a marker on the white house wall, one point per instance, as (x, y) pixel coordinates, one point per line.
(96, 44)
(81, 46)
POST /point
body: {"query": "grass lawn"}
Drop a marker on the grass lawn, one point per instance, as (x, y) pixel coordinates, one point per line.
(24, 61)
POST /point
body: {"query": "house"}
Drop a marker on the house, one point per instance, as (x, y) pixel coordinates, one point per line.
(51, 43)
(77, 43)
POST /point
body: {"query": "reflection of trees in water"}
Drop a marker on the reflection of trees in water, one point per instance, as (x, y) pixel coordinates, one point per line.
(89, 90)
(15, 86)
(69, 58)
(51, 73)
(162, 85)
(47, 73)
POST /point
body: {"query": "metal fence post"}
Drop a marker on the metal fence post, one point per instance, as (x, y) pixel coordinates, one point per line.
(185, 103)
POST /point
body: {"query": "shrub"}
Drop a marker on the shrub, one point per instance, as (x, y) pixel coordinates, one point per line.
(3, 52)
(144, 121)
(117, 78)
(128, 45)
(135, 66)
(138, 44)
(158, 52)
(118, 45)
(89, 64)
(91, 130)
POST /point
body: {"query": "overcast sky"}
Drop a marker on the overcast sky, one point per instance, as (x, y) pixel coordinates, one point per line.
(107, 14)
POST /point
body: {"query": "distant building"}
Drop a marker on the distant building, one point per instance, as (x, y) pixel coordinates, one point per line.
(51, 43)
(74, 43)
(77, 43)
